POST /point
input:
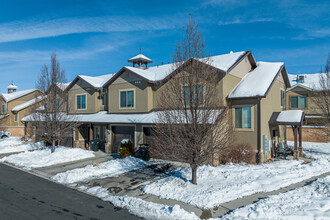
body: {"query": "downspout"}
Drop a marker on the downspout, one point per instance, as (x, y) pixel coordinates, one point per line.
(258, 159)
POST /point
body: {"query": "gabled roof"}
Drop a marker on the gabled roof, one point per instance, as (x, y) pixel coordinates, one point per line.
(63, 85)
(158, 73)
(287, 117)
(257, 82)
(15, 95)
(311, 81)
(94, 81)
(27, 104)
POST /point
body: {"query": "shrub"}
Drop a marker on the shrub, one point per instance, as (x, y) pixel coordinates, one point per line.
(238, 153)
(126, 149)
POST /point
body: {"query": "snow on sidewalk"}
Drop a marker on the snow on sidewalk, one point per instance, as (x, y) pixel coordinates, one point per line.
(14, 144)
(308, 202)
(221, 184)
(141, 208)
(107, 169)
(44, 158)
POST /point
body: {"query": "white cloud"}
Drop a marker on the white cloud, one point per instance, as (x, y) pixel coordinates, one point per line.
(33, 28)
(243, 21)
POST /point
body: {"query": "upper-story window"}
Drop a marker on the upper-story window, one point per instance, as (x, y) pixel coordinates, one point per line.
(192, 94)
(102, 98)
(58, 100)
(243, 118)
(282, 98)
(81, 101)
(127, 99)
(298, 101)
(4, 108)
(16, 117)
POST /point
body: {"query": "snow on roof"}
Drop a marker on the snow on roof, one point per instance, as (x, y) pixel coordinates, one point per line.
(12, 86)
(225, 61)
(97, 81)
(311, 81)
(292, 116)
(140, 57)
(63, 85)
(256, 82)
(16, 95)
(158, 73)
(27, 104)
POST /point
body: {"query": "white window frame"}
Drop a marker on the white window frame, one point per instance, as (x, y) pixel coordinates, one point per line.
(284, 99)
(16, 117)
(252, 118)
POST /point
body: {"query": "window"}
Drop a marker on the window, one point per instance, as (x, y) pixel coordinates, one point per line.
(102, 98)
(4, 108)
(282, 98)
(16, 116)
(298, 102)
(81, 101)
(105, 133)
(243, 117)
(97, 133)
(196, 93)
(58, 103)
(127, 99)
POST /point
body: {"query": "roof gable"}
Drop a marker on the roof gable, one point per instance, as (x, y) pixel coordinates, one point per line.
(15, 95)
(93, 81)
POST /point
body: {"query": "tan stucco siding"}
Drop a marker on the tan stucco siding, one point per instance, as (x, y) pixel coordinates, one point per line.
(242, 68)
(270, 104)
(248, 136)
(93, 102)
(142, 94)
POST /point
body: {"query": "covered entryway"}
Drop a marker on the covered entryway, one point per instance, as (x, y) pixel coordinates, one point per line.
(295, 119)
(120, 133)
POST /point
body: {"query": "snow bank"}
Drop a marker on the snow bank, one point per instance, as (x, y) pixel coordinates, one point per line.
(141, 208)
(221, 184)
(44, 158)
(103, 170)
(308, 202)
(14, 144)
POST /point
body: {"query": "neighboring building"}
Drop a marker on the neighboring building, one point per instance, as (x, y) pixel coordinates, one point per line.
(15, 105)
(300, 97)
(124, 105)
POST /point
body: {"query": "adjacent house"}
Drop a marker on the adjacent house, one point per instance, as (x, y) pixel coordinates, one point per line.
(15, 105)
(300, 97)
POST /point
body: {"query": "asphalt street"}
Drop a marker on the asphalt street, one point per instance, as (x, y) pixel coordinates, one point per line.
(26, 196)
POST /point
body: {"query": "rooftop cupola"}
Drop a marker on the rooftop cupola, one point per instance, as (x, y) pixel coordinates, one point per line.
(12, 88)
(140, 60)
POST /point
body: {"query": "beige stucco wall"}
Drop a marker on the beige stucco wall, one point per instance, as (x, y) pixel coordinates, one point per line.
(93, 102)
(143, 95)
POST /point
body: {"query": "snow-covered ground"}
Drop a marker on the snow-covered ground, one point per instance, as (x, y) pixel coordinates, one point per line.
(14, 144)
(308, 202)
(107, 169)
(43, 158)
(221, 184)
(141, 208)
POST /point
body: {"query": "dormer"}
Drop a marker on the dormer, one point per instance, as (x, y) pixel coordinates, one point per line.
(12, 88)
(140, 60)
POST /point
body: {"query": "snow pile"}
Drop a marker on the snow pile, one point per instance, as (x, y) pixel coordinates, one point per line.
(108, 169)
(308, 202)
(14, 144)
(141, 208)
(44, 158)
(294, 116)
(221, 184)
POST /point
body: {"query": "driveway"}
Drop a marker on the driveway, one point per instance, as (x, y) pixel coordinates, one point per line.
(26, 196)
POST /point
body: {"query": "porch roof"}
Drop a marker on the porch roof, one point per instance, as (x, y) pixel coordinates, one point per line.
(287, 117)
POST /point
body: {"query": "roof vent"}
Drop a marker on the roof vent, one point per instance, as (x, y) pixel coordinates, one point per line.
(12, 88)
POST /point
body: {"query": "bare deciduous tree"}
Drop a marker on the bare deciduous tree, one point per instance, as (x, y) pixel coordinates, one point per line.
(51, 120)
(321, 95)
(192, 124)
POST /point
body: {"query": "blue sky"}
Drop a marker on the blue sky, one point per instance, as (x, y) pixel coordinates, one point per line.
(98, 37)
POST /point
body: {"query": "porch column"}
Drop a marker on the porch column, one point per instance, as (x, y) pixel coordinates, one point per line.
(25, 131)
(138, 136)
(75, 137)
(300, 148)
(295, 151)
(34, 135)
(91, 135)
(109, 139)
